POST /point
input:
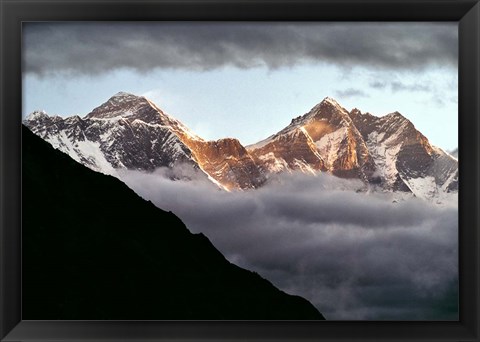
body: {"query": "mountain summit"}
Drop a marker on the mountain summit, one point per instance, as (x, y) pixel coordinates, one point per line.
(324, 139)
(131, 132)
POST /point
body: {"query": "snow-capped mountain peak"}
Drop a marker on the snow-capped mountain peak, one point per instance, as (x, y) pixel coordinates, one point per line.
(387, 152)
(40, 118)
(397, 116)
(329, 110)
(119, 105)
(331, 101)
(138, 110)
(124, 94)
(37, 114)
(132, 132)
(454, 153)
(329, 142)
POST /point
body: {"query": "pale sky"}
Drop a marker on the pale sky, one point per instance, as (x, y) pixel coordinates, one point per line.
(248, 80)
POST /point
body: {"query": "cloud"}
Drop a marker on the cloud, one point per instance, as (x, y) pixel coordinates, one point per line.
(351, 92)
(396, 86)
(399, 86)
(92, 48)
(378, 84)
(354, 255)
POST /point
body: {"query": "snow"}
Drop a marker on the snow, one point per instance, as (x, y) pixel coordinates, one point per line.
(422, 187)
(440, 151)
(298, 123)
(92, 151)
(175, 124)
(277, 164)
(173, 142)
(273, 163)
(384, 154)
(213, 180)
(289, 131)
(62, 143)
(304, 167)
(107, 137)
(449, 180)
(81, 150)
(311, 143)
(36, 115)
(446, 199)
(123, 94)
(113, 119)
(328, 101)
(329, 145)
(127, 113)
(260, 144)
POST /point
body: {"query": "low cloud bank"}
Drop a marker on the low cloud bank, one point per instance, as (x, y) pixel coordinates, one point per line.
(354, 255)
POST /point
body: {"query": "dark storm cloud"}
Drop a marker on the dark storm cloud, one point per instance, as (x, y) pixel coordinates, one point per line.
(351, 92)
(353, 255)
(93, 48)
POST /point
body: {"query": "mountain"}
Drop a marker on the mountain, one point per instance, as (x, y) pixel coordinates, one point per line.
(93, 249)
(131, 132)
(325, 139)
(387, 153)
(404, 157)
(454, 153)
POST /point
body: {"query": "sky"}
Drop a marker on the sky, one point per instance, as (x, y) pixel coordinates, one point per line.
(353, 255)
(248, 80)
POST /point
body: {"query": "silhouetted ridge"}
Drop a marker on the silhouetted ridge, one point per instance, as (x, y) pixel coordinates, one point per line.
(93, 249)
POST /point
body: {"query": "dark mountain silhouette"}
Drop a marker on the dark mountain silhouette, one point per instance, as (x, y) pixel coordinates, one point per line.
(93, 249)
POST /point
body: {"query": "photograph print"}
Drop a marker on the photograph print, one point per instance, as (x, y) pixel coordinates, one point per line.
(240, 171)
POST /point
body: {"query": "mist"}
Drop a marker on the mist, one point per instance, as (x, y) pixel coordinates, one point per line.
(355, 254)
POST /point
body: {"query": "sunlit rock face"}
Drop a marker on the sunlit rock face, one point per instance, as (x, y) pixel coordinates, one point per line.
(324, 139)
(130, 132)
(226, 161)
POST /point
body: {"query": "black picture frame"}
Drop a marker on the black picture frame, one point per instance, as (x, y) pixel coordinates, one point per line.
(14, 12)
